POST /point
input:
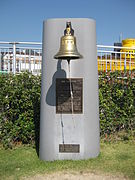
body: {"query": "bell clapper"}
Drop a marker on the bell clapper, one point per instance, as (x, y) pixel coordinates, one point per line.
(71, 91)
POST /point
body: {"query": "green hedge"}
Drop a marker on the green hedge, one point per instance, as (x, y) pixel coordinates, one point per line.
(117, 102)
(20, 106)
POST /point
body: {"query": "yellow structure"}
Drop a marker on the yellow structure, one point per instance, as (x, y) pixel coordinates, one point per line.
(125, 60)
(131, 44)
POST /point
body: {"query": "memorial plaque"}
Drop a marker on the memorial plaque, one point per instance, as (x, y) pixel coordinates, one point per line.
(69, 148)
(64, 102)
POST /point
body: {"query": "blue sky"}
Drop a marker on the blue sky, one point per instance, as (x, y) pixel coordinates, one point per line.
(22, 20)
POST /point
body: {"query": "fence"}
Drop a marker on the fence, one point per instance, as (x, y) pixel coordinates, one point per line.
(16, 57)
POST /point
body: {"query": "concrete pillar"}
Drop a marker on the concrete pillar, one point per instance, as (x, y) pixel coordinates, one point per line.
(79, 132)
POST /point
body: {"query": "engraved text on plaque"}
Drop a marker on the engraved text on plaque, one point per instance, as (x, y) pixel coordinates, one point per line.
(69, 148)
(64, 103)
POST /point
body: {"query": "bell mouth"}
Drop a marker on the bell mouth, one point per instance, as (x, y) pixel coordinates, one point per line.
(68, 56)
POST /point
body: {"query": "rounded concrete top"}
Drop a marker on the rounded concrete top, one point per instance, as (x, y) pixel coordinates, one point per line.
(69, 19)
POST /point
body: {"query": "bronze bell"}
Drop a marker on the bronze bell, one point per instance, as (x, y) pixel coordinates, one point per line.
(68, 49)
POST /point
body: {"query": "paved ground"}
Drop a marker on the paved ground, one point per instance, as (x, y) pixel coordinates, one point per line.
(74, 176)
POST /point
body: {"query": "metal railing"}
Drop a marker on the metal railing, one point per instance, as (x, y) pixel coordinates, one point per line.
(17, 57)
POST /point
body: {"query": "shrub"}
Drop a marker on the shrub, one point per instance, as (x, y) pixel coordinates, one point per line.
(116, 102)
(19, 108)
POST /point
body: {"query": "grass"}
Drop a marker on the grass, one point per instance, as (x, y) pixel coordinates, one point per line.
(115, 158)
